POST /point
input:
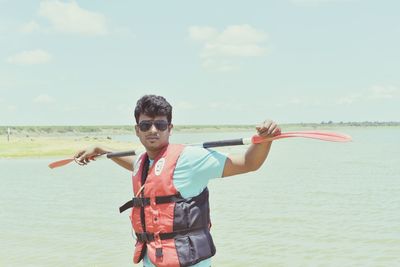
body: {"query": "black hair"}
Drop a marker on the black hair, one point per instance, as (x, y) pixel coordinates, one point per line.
(153, 105)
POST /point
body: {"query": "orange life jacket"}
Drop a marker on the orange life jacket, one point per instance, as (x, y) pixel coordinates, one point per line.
(174, 230)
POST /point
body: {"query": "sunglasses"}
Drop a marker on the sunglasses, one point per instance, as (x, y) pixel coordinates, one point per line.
(160, 125)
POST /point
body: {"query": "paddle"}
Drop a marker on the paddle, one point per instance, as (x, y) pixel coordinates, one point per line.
(63, 162)
(255, 139)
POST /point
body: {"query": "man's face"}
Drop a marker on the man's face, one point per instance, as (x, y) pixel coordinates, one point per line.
(153, 132)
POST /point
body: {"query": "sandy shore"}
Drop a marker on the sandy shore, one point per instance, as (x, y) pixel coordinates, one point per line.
(65, 141)
(54, 146)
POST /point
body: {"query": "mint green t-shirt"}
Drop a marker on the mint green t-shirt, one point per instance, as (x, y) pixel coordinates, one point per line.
(195, 167)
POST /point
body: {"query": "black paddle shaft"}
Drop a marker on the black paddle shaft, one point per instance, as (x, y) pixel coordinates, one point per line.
(232, 142)
(121, 154)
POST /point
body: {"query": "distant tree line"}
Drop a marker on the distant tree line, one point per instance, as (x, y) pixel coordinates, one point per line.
(128, 129)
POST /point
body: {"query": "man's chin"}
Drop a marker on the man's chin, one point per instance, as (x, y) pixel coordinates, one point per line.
(155, 144)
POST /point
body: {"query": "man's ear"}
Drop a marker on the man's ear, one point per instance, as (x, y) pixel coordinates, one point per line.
(170, 128)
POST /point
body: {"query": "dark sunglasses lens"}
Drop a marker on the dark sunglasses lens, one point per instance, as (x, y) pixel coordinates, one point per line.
(161, 125)
(144, 126)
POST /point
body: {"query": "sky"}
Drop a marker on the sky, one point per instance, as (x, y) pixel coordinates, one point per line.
(217, 62)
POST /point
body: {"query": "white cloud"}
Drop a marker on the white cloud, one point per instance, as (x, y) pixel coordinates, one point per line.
(218, 65)
(71, 18)
(221, 49)
(348, 99)
(185, 105)
(317, 2)
(232, 50)
(241, 35)
(311, 101)
(311, 1)
(345, 100)
(353, 97)
(30, 27)
(202, 33)
(31, 57)
(296, 101)
(384, 92)
(374, 93)
(71, 108)
(43, 99)
(11, 108)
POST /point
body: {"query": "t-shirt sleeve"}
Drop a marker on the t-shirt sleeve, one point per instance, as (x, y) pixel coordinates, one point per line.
(195, 167)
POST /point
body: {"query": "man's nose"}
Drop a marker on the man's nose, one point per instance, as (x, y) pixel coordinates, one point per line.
(153, 128)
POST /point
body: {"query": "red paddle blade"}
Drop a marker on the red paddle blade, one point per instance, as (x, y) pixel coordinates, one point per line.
(60, 163)
(345, 137)
(325, 136)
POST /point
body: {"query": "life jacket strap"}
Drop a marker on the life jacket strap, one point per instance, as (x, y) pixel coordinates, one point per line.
(149, 237)
(142, 202)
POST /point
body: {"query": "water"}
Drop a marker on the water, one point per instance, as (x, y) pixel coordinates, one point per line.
(313, 203)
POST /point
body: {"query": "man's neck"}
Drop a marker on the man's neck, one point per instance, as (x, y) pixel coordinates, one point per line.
(152, 154)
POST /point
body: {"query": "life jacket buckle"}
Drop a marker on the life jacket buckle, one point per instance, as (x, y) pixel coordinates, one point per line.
(138, 202)
(159, 252)
(158, 244)
(145, 237)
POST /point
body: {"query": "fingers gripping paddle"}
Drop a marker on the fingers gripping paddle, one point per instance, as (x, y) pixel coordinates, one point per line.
(255, 139)
(63, 162)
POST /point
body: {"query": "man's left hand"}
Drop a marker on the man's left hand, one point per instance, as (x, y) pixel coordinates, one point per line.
(268, 129)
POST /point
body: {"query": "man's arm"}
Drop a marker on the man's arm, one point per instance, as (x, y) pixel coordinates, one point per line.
(83, 157)
(255, 155)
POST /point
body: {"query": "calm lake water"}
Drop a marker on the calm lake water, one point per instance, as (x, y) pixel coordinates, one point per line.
(313, 203)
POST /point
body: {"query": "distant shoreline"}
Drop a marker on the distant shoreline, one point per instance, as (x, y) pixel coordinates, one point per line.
(56, 146)
(65, 141)
(128, 129)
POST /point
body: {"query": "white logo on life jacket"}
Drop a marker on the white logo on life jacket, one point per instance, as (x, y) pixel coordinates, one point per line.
(136, 167)
(159, 166)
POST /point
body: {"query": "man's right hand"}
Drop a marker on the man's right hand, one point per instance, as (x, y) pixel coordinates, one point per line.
(83, 157)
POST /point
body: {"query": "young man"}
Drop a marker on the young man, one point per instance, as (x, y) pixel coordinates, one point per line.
(170, 209)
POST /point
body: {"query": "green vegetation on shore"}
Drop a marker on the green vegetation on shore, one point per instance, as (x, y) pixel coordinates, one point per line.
(104, 130)
(64, 141)
(23, 147)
